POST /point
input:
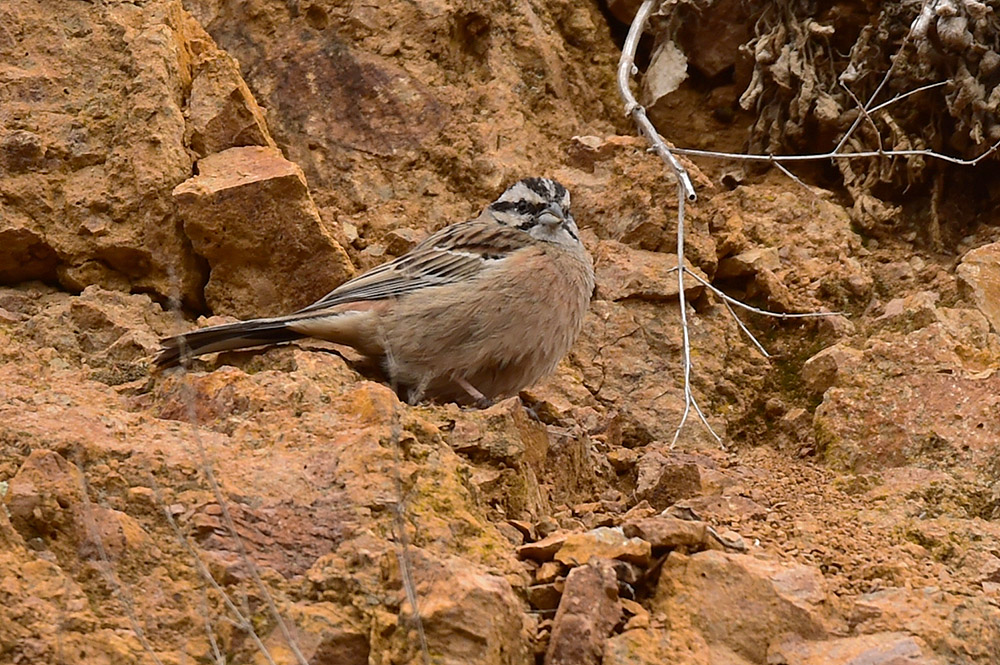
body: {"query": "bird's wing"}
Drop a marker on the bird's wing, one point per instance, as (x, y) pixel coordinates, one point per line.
(453, 254)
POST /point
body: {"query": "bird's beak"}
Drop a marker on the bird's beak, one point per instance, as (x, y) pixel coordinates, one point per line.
(553, 215)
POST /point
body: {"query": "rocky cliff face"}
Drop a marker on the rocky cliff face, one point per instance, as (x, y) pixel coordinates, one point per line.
(160, 161)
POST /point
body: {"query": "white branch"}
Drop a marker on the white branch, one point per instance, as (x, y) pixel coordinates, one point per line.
(626, 68)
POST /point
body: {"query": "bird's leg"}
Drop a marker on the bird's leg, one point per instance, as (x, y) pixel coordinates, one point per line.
(481, 400)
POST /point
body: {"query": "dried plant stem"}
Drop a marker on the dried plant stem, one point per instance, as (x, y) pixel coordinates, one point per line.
(209, 631)
(685, 192)
(626, 69)
(767, 157)
(921, 19)
(402, 540)
(242, 621)
(689, 400)
(206, 466)
(108, 570)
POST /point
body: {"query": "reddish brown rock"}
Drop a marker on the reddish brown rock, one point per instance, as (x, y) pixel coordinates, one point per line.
(544, 549)
(714, 35)
(749, 263)
(710, 594)
(47, 505)
(929, 366)
(641, 646)
(662, 481)
(545, 596)
(876, 649)
(243, 203)
(937, 618)
(468, 616)
(587, 613)
(908, 314)
(221, 112)
(549, 571)
(485, 435)
(602, 543)
(324, 633)
(92, 143)
(667, 532)
(821, 371)
(623, 272)
(979, 276)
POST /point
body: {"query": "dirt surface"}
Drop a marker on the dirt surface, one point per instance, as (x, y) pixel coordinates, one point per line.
(285, 505)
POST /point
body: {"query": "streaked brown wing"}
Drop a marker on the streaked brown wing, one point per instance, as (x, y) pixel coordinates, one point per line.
(453, 254)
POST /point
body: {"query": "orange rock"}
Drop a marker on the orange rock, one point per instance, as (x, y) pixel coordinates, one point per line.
(741, 603)
(587, 613)
(602, 543)
(242, 204)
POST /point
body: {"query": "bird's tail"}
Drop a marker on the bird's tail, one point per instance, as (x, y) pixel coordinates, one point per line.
(227, 337)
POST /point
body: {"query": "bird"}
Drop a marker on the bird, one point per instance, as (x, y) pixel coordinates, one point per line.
(477, 311)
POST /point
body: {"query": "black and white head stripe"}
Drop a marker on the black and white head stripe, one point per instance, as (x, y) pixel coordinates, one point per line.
(534, 192)
(527, 203)
(526, 199)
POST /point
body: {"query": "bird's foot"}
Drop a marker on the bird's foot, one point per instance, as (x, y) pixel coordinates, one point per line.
(479, 399)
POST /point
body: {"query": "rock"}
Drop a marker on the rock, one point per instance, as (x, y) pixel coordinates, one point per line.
(401, 240)
(979, 276)
(878, 408)
(100, 326)
(622, 460)
(935, 617)
(324, 633)
(221, 111)
(713, 37)
(908, 314)
(549, 571)
(667, 532)
(820, 372)
(544, 549)
(876, 649)
(603, 543)
(586, 151)
(545, 596)
(503, 433)
(623, 272)
(243, 203)
(468, 616)
(641, 646)
(93, 140)
(749, 263)
(638, 615)
(588, 612)
(358, 117)
(45, 500)
(663, 481)
(710, 593)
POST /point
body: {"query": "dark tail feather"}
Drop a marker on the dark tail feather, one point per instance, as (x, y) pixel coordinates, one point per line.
(226, 337)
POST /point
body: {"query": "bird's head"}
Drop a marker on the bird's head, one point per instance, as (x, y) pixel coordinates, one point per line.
(540, 208)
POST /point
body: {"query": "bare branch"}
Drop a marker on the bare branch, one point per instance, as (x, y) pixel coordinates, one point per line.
(107, 569)
(626, 68)
(768, 157)
(402, 540)
(739, 322)
(750, 308)
(242, 621)
(917, 27)
(689, 400)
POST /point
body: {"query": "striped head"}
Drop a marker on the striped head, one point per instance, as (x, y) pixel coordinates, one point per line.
(540, 208)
